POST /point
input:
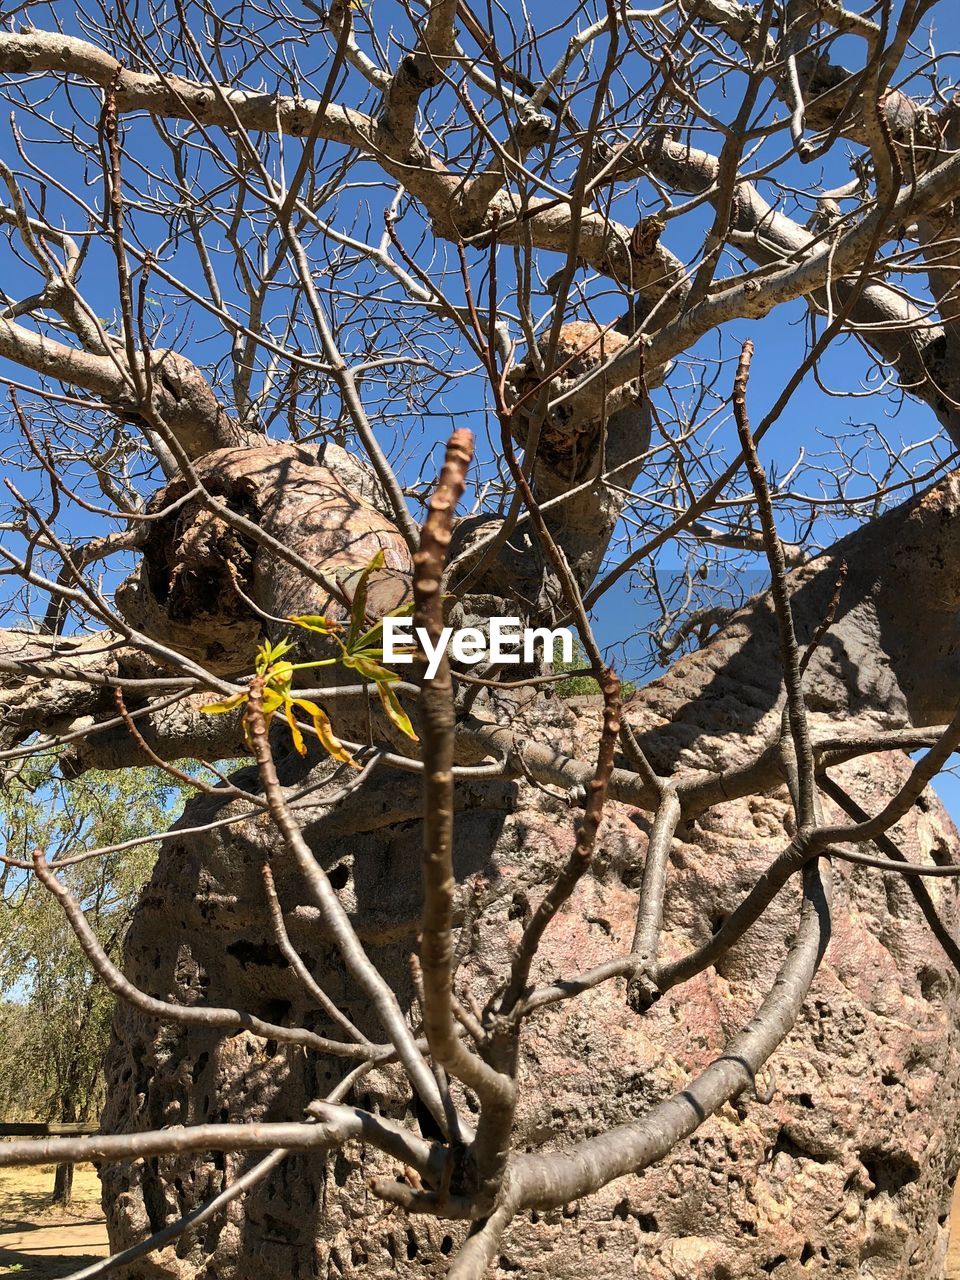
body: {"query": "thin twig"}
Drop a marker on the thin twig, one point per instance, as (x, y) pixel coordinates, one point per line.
(335, 917)
(167, 1010)
(789, 648)
(642, 990)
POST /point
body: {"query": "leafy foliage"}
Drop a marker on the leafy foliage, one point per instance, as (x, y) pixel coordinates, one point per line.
(362, 651)
(54, 1014)
(583, 686)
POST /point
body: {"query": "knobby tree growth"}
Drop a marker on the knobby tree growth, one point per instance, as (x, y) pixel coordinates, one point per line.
(315, 315)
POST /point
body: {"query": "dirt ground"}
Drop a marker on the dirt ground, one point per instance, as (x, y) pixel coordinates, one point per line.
(40, 1243)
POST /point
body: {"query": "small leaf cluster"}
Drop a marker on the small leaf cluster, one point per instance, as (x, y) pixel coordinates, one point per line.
(361, 650)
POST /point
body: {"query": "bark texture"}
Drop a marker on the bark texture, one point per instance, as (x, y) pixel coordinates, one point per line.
(846, 1169)
(200, 572)
(848, 1164)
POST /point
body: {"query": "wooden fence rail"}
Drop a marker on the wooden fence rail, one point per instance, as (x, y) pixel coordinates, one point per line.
(30, 1130)
(63, 1178)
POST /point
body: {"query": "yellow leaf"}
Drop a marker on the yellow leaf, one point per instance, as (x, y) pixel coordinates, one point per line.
(316, 622)
(272, 701)
(295, 733)
(373, 639)
(359, 607)
(328, 739)
(269, 654)
(280, 677)
(369, 669)
(391, 705)
(227, 704)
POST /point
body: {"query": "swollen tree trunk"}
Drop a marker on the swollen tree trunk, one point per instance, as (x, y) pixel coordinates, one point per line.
(844, 1155)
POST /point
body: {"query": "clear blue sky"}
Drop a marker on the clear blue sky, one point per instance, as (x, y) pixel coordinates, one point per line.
(809, 425)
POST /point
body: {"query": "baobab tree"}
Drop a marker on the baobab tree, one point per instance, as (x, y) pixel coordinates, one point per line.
(314, 317)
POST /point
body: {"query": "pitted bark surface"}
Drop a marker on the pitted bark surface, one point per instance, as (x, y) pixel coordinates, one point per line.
(840, 1167)
(185, 593)
(844, 1172)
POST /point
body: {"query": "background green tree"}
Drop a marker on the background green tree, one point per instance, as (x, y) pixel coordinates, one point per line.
(54, 1014)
